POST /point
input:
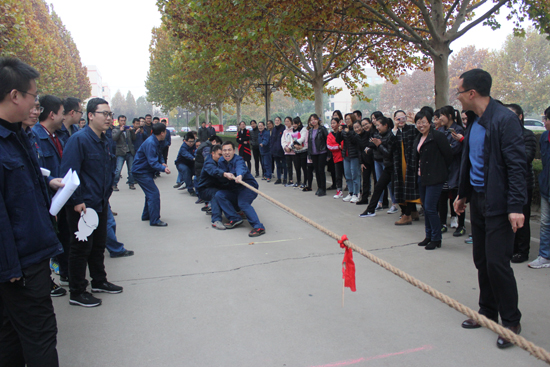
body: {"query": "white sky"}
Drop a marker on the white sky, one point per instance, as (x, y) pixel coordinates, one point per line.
(114, 35)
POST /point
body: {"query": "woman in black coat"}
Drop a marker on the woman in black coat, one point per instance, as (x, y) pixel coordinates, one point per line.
(243, 139)
(433, 158)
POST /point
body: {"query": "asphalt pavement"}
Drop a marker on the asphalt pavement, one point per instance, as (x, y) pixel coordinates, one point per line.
(197, 296)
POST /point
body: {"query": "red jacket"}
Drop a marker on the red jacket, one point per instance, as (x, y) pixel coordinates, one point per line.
(334, 147)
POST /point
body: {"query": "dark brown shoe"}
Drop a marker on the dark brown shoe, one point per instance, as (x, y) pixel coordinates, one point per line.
(505, 343)
(470, 324)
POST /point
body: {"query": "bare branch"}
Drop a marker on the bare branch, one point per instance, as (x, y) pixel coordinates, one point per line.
(479, 20)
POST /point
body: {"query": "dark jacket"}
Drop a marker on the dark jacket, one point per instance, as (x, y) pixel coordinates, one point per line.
(254, 137)
(211, 131)
(238, 167)
(51, 159)
(456, 146)
(405, 188)
(544, 176)
(88, 155)
(203, 134)
(27, 236)
(63, 134)
(320, 140)
(384, 152)
(140, 138)
(124, 144)
(504, 162)
(530, 141)
(351, 142)
(212, 175)
(243, 139)
(147, 131)
(434, 158)
(149, 159)
(186, 155)
(275, 141)
(202, 152)
(263, 138)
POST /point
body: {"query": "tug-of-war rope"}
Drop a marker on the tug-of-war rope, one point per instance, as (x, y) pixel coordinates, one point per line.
(518, 340)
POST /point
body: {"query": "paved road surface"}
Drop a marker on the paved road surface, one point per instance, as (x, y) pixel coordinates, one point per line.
(196, 296)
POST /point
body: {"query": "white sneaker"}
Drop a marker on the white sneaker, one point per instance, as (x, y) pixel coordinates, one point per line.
(347, 198)
(354, 199)
(539, 262)
(393, 209)
(454, 222)
(338, 195)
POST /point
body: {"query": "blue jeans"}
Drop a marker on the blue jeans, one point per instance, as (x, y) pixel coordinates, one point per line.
(129, 159)
(151, 209)
(544, 249)
(378, 168)
(266, 163)
(242, 198)
(185, 174)
(429, 195)
(281, 167)
(352, 171)
(112, 243)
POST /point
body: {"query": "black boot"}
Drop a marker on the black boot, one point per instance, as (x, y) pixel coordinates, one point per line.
(424, 242)
(433, 245)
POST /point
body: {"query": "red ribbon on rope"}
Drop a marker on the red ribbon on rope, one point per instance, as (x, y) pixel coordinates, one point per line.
(348, 266)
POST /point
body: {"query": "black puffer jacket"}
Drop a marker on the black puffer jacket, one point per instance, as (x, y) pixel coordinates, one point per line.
(351, 140)
(384, 152)
(320, 140)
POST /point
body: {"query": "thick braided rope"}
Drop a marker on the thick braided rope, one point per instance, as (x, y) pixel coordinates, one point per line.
(518, 340)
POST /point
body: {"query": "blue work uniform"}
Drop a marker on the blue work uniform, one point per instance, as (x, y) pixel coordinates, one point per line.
(185, 163)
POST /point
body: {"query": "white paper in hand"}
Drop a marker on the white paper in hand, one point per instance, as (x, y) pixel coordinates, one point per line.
(87, 224)
(62, 195)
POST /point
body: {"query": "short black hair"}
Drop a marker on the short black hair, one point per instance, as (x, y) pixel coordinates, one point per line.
(253, 121)
(71, 104)
(189, 136)
(92, 105)
(215, 148)
(421, 114)
(82, 119)
(148, 115)
(359, 113)
(156, 118)
(163, 120)
(428, 109)
(141, 118)
(215, 138)
(518, 111)
(15, 74)
(229, 142)
(121, 116)
(158, 128)
(478, 80)
(135, 120)
(547, 113)
(50, 104)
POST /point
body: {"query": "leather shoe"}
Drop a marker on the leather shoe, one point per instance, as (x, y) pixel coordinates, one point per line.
(124, 253)
(470, 324)
(505, 343)
(160, 224)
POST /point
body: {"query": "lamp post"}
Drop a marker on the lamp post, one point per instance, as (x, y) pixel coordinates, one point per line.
(187, 118)
(259, 89)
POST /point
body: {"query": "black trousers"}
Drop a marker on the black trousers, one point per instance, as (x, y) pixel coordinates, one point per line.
(522, 241)
(449, 197)
(28, 328)
(289, 158)
(367, 173)
(89, 253)
(300, 163)
(64, 236)
(408, 208)
(257, 160)
(338, 173)
(381, 185)
(493, 245)
(319, 161)
(165, 154)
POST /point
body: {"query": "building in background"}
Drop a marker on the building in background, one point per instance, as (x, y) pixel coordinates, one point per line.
(342, 100)
(99, 88)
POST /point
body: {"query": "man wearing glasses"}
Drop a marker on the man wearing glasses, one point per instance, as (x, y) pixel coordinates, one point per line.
(87, 153)
(28, 328)
(492, 179)
(73, 113)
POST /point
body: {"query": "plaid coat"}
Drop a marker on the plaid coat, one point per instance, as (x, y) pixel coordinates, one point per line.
(407, 189)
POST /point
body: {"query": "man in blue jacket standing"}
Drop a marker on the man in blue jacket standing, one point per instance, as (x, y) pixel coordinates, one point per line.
(492, 178)
(185, 163)
(238, 196)
(28, 329)
(147, 163)
(87, 153)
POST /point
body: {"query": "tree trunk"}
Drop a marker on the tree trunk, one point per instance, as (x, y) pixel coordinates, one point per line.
(441, 76)
(220, 114)
(207, 114)
(318, 88)
(197, 120)
(238, 102)
(268, 105)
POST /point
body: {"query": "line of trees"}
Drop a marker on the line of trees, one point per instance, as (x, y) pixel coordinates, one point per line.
(32, 31)
(207, 54)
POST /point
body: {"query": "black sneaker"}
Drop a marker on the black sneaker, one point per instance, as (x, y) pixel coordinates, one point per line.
(63, 280)
(124, 253)
(284, 182)
(57, 291)
(204, 208)
(84, 299)
(460, 231)
(243, 216)
(106, 287)
(443, 229)
(233, 224)
(278, 182)
(193, 193)
(199, 201)
(519, 258)
(256, 232)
